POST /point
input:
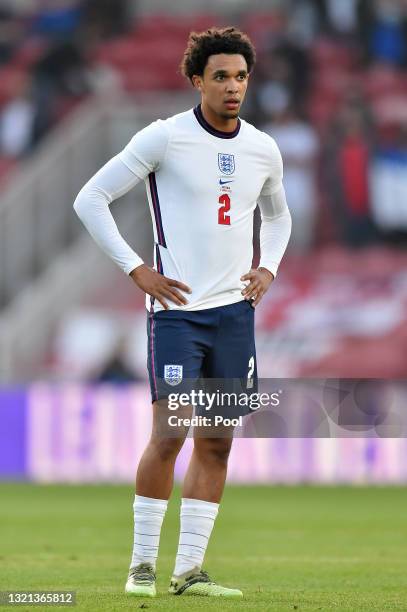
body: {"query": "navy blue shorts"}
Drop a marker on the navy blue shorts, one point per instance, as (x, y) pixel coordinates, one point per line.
(187, 346)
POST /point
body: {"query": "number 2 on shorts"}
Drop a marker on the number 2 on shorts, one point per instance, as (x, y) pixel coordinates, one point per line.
(250, 373)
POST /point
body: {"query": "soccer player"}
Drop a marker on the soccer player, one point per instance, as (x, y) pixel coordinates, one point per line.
(205, 170)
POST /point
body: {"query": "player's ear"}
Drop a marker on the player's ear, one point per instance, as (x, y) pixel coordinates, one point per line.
(197, 81)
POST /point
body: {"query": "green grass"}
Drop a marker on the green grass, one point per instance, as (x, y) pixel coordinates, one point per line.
(304, 548)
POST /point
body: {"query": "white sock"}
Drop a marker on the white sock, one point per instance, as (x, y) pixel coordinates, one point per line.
(148, 518)
(197, 520)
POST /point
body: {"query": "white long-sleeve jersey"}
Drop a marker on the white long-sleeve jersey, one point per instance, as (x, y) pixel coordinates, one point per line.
(202, 186)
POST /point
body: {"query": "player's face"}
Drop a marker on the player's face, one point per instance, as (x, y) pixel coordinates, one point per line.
(223, 84)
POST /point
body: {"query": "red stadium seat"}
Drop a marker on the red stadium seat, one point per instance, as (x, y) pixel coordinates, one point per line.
(390, 109)
(257, 23)
(326, 53)
(12, 82)
(153, 78)
(7, 166)
(321, 108)
(28, 53)
(360, 358)
(129, 53)
(380, 78)
(162, 25)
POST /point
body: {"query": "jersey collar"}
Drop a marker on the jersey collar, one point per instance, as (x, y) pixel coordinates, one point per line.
(207, 126)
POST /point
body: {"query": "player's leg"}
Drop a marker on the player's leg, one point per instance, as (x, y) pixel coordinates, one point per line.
(154, 482)
(201, 494)
(169, 342)
(206, 474)
(155, 472)
(232, 357)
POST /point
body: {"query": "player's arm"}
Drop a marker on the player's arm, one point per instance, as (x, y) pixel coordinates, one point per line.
(275, 233)
(117, 177)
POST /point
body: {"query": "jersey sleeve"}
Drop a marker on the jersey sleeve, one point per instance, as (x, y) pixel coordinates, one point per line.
(275, 229)
(146, 150)
(275, 226)
(274, 181)
(92, 207)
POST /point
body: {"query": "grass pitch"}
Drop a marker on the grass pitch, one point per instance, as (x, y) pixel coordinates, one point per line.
(287, 548)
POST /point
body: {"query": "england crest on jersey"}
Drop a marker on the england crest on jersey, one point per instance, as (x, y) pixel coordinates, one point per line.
(226, 163)
(173, 374)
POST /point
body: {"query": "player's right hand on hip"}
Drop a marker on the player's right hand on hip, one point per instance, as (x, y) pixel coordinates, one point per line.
(159, 286)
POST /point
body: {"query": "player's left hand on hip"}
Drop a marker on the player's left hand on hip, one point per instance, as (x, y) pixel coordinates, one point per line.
(259, 281)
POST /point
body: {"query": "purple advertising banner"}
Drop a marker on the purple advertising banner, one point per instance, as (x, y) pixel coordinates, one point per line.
(13, 404)
(77, 433)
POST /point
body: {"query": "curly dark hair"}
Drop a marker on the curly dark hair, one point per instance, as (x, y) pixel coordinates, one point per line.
(212, 42)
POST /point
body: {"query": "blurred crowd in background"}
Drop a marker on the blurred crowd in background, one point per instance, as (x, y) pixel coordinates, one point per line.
(47, 65)
(330, 86)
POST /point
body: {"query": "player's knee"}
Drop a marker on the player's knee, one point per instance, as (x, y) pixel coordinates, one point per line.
(167, 449)
(216, 450)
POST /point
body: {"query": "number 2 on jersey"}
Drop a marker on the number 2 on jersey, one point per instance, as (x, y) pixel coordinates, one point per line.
(223, 218)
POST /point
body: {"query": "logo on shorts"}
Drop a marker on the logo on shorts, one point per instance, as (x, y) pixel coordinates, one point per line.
(173, 374)
(226, 163)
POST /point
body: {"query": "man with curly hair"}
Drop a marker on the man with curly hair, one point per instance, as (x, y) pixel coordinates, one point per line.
(205, 171)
